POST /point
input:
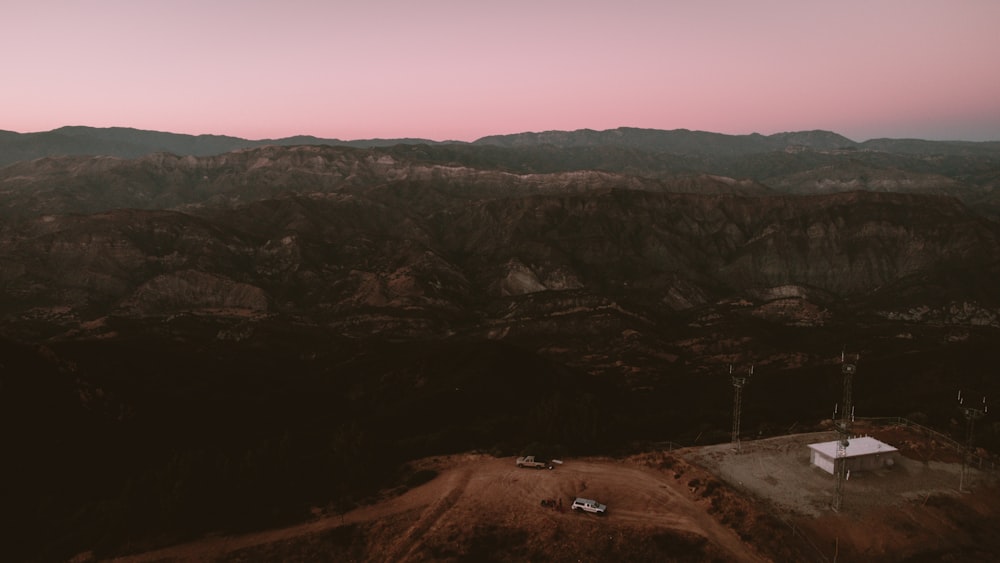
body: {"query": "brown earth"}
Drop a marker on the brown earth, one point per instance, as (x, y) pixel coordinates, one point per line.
(763, 503)
(485, 508)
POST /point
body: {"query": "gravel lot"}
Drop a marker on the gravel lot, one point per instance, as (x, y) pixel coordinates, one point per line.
(777, 470)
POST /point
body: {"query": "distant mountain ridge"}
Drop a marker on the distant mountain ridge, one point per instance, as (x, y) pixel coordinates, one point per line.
(127, 142)
(678, 141)
(703, 143)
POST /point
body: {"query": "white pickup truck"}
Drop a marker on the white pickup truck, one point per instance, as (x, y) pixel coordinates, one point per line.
(589, 505)
(531, 461)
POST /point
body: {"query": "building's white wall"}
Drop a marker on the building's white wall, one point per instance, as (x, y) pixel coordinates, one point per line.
(871, 461)
(821, 461)
(859, 463)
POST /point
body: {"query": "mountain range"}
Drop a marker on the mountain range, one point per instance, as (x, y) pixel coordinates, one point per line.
(130, 143)
(364, 290)
(503, 236)
(800, 162)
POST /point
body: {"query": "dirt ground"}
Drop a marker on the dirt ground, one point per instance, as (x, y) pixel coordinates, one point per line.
(485, 508)
(764, 503)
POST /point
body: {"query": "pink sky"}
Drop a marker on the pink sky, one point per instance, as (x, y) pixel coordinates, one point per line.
(463, 69)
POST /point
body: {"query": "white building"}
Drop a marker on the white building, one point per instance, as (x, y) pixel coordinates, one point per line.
(863, 453)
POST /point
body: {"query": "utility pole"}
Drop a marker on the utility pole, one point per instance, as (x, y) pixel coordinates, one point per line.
(738, 382)
(847, 369)
(972, 414)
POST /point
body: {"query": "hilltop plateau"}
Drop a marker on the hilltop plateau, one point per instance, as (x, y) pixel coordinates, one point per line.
(764, 503)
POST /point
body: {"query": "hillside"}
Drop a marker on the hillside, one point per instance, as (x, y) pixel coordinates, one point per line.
(223, 343)
(482, 508)
(691, 504)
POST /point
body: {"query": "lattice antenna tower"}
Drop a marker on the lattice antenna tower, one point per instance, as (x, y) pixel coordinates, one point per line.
(972, 414)
(738, 382)
(847, 369)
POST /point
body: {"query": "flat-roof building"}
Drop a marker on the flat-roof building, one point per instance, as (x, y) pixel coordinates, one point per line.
(863, 453)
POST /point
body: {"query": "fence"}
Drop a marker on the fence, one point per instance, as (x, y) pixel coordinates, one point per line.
(974, 460)
(667, 445)
(982, 463)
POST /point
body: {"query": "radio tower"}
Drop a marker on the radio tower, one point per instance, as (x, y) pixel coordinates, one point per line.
(738, 382)
(844, 429)
(972, 414)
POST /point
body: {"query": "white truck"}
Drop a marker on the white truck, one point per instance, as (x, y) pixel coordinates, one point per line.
(533, 462)
(589, 505)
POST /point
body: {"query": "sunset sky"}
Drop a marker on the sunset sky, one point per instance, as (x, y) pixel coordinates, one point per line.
(463, 69)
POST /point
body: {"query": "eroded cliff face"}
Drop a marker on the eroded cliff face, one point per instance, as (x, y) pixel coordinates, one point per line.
(192, 290)
(844, 244)
(349, 258)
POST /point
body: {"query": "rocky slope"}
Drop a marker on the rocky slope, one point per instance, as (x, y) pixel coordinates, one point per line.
(340, 254)
(419, 240)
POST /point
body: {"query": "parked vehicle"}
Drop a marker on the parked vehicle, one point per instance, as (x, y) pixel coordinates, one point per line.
(533, 462)
(589, 505)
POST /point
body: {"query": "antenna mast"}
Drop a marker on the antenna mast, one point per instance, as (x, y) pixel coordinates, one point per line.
(844, 429)
(738, 382)
(972, 414)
